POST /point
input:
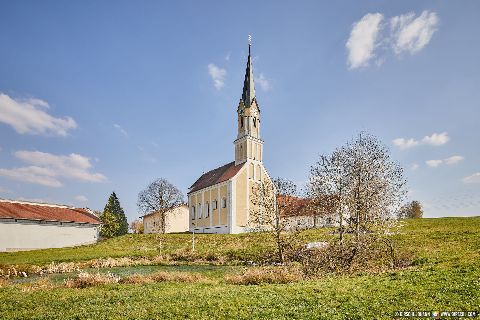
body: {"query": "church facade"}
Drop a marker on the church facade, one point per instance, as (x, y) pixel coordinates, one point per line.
(219, 200)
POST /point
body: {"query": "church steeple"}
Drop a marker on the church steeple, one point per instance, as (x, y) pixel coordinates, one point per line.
(248, 145)
(248, 94)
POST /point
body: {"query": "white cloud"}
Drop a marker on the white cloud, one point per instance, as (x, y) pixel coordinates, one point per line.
(434, 163)
(453, 159)
(415, 166)
(29, 116)
(48, 169)
(122, 131)
(412, 34)
(218, 76)
(81, 198)
(263, 82)
(436, 139)
(403, 143)
(32, 174)
(363, 40)
(448, 161)
(474, 178)
(406, 33)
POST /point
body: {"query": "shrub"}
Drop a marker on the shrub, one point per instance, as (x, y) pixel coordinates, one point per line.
(271, 275)
(372, 253)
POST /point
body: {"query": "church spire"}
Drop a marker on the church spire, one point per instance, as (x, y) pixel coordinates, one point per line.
(248, 94)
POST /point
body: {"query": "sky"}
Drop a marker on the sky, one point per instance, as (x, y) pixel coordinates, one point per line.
(102, 96)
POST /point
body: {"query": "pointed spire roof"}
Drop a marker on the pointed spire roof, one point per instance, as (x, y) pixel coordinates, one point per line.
(248, 94)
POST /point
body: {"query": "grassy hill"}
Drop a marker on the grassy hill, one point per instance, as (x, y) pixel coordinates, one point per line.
(445, 276)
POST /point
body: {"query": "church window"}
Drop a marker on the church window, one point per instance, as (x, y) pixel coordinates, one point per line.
(214, 205)
(193, 212)
(252, 169)
(255, 122)
(207, 211)
(224, 202)
(199, 210)
(241, 122)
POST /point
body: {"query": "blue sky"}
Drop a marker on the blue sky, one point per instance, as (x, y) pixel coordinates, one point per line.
(106, 96)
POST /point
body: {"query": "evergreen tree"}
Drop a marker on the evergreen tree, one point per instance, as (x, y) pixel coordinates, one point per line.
(113, 206)
(110, 225)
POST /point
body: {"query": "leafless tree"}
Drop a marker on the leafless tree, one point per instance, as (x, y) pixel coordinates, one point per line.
(364, 186)
(160, 196)
(136, 226)
(411, 210)
(271, 204)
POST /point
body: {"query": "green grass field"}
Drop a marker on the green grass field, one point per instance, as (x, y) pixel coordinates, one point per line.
(445, 276)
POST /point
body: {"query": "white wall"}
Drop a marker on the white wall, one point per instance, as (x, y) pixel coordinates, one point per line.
(177, 221)
(34, 235)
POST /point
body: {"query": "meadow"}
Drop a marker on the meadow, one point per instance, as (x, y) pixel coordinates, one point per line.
(159, 277)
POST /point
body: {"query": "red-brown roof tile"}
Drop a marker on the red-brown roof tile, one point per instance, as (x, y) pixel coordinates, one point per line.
(215, 176)
(45, 212)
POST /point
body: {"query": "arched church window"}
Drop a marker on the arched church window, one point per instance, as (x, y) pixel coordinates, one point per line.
(207, 212)
(193, 212)
(199, 210)
(241, 122)
(255, 122)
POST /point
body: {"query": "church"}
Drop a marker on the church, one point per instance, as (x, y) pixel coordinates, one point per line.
(219, 200)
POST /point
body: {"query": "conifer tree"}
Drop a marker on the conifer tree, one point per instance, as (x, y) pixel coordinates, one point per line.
(113, 206)
(110, 225)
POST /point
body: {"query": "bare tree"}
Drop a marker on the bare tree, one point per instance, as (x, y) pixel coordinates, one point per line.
(136, 226)
(271, 203)
(160, 196)
(364, 186)
(411, 210)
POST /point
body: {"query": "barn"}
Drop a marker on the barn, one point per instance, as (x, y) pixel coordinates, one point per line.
(29, 225)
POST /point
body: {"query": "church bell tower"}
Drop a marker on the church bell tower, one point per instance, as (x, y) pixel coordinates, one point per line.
(248, 145)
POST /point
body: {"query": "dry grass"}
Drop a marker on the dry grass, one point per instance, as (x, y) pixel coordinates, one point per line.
(177, 276)
(272, 275)
(136, 279)
(4, 283)
(39, 284)
(85, 279)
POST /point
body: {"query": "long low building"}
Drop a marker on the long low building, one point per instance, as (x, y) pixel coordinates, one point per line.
(28, 225)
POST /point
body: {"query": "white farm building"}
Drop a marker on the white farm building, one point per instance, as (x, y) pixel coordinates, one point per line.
(27, 225)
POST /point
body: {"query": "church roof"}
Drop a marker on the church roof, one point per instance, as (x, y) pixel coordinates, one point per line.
(215, 176)
(248, 94)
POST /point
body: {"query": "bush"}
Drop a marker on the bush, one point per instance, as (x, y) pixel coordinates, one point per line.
(372, 253)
